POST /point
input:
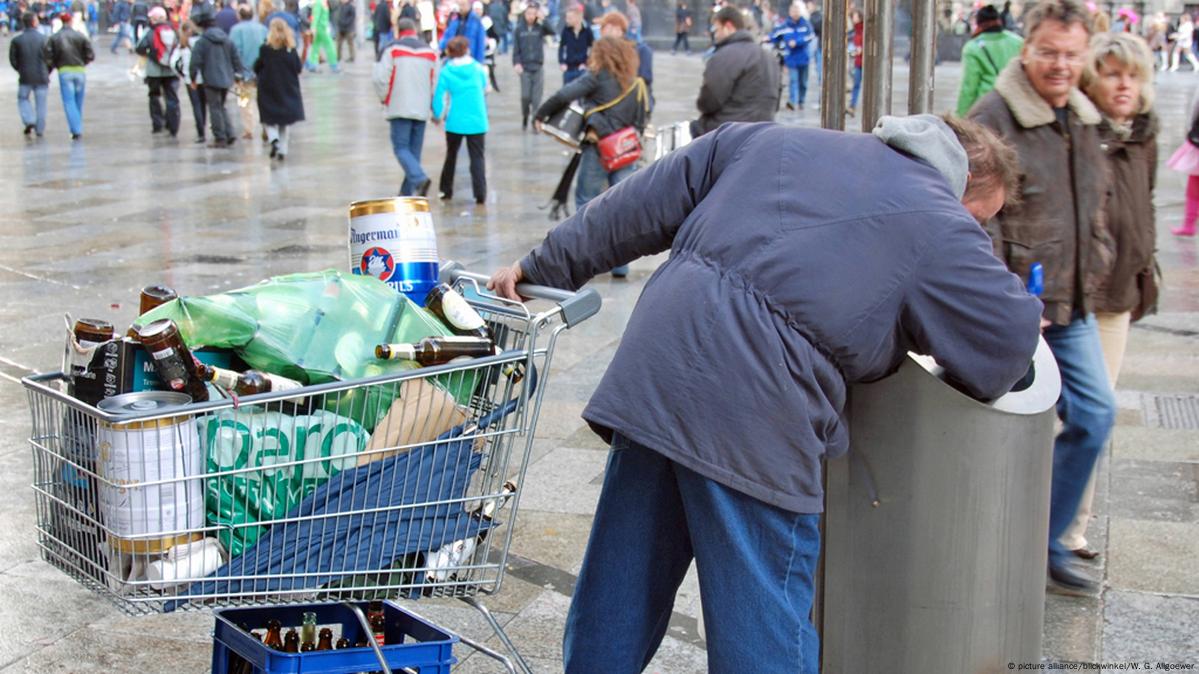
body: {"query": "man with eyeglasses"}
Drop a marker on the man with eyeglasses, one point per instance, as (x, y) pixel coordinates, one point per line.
(1037, 107)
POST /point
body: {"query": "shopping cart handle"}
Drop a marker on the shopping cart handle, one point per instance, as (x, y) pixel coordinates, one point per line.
(576, 306)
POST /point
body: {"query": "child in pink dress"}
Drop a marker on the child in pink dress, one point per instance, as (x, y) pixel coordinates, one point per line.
(1186, 160)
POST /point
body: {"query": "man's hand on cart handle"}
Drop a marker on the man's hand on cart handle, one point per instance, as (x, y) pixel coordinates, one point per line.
(503, 281)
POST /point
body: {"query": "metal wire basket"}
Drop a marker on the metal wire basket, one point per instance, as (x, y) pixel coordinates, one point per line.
(307, 505)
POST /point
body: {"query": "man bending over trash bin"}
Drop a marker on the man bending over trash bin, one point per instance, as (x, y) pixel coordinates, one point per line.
(728, 388)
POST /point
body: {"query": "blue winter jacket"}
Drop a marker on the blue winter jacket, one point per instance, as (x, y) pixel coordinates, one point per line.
(473, 31)
(465, 81)
(794, 37)
(737, 356)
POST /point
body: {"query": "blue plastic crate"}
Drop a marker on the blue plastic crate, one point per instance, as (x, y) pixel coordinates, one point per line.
(411, 641)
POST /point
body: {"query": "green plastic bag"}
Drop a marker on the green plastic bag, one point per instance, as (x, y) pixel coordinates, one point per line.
(245, 438)
(315, 328)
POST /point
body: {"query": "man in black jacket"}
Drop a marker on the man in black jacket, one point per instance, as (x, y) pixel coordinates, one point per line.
(218, 64)
(346, 19)
(574, 45)
(382, 27)
(741, 80)
(69, 51)
(528, 55)
(33, 77)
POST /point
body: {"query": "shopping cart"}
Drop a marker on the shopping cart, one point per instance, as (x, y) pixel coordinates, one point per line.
(306, 504)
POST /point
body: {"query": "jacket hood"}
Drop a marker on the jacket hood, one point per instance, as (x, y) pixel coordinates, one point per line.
(460, 70)
(930, 139)
(1027, 106)
(215, 35)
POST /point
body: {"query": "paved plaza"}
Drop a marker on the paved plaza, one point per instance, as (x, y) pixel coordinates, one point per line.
(85, 225)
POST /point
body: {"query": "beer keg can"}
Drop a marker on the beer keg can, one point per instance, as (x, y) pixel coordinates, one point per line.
(394, 240)
(151, 492)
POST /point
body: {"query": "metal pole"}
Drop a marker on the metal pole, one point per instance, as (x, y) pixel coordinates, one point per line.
(924, 50)
(835, 55)
(876, 61)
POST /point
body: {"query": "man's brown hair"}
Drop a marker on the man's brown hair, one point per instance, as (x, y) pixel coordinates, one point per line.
(1066, 11)
(993, 163)
(730, 15)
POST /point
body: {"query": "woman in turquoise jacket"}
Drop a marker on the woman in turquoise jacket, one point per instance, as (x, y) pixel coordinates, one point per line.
(463, 81)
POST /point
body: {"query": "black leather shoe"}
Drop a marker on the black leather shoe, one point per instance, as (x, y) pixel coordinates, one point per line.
(1066, 580)
(1085, 553)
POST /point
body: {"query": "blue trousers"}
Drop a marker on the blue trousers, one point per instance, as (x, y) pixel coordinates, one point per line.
(857, 87)
(593, 180)
(799, 83)
(30, 116)
(1087, 409)
(123, 32)
(72, 86)
(571, 74)
(819, 57)
(755, 563)
(407, 140)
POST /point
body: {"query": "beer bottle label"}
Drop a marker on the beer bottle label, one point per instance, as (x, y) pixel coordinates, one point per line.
(281, 383)
(461, 340)
(458, 312)
(82, 352)
(402, 352)
(170, 367)
(226, 379)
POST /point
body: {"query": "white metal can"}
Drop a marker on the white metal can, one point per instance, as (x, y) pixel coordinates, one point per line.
(394, 241)
(151, 491)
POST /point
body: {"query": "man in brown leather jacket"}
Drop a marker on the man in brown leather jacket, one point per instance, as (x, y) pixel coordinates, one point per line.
(1037, 107)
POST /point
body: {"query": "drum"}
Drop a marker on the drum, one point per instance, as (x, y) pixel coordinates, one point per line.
(567, 126)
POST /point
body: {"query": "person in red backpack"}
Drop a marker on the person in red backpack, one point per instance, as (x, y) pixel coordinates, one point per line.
(158, 45)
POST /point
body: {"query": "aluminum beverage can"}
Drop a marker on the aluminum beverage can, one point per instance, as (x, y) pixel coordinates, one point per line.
(394, 240)
(151, 487)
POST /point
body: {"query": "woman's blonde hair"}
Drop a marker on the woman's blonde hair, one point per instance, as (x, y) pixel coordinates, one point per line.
(280, 35)
(1129, 51)
(616, 55)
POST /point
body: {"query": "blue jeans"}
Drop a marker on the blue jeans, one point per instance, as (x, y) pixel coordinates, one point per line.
(755, 563)
(407, 139)
(857, 87)
(592, 182)
(571, 74)
(819, 57)
(1087, 409)
(799, 83)
(72, 86)
(28, 116)
(123, 31)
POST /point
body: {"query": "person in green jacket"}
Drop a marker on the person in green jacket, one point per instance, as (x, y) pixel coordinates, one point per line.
(322, 38)
(985, 56)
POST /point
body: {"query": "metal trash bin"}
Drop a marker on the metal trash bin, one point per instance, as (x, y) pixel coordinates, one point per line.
(936, 526)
